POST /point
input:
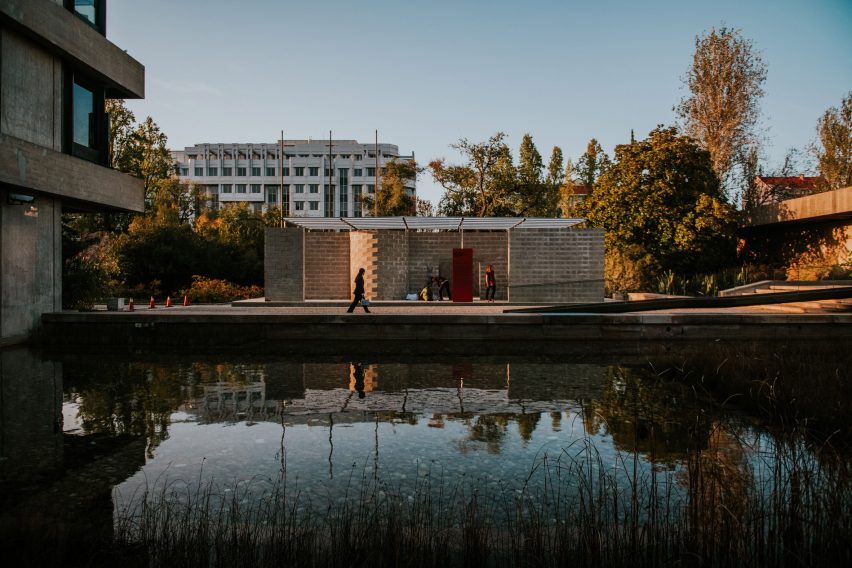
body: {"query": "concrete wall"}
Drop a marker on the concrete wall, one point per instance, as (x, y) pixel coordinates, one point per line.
(556, 265)
(489, 247)
(429, 254)
(327, 274)
(283, 250)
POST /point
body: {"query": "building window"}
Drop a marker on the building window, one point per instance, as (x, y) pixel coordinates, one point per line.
(241, 188)
(371, 188)
(199, 172)
(300, 171)
(226, 188)
(212, 171)
(300, 206)
(314, 205)
(327, 172)
(286, 171)
(272, 194)
(300, 188)
(241, 172)
(93, 12)
(371, 172)
(255, 172)
(358, 172)
(184, 172)
(255, 188)
(313, 172)
(358, 157)
(270, 172)
(88, 126)
(227, 172)
(314, 188)
(257, 207)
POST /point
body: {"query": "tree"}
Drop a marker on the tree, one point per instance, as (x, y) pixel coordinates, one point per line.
(425, 208)
(121, 129)
(175, 202)
(392, 198)
(662, 207)
(147, 157)
(555, 173)
(529, 190)
(478, 187)
(834, 150)
(566, 190)
(722, 110)
(591, 165)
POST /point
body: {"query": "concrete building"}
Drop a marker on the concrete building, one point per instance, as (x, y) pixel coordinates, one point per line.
(535, 260)
(56, 70)
(252, 173)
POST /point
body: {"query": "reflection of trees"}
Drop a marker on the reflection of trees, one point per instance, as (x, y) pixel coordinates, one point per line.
(489, 429)
(138, 399)
(527, 424)
(647, 414)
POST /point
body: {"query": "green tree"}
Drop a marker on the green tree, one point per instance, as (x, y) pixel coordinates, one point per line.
(147, 157)
(555, 173)
(566, 191)
(392, 198)
(834, 150)
(722, 109)
(661, 205)
(591, 165)
(530, 191)
(175, 202)
(479, 186)
(425, 208)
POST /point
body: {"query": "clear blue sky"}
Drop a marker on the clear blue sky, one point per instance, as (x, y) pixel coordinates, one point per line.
(427, 73)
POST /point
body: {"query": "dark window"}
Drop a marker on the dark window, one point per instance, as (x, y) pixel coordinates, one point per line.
(241, 172)
(357, 172)
(199, 172)
(255, 172)
(227, 172)
(93, 12)
(255, 188)
(184, 172)
(270, 172)
(87, 129)
(300, 172)
(241, 188)
(212, 171)
(226, 188)
(286, 171)
(371, 172)
(313, 171)
(314, 188)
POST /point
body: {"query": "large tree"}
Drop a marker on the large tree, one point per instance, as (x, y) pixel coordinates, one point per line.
(834, 150)
(529, 192)
(662, 207)
(392, 198)
(591, 165)
(722, 109)
(480, 185)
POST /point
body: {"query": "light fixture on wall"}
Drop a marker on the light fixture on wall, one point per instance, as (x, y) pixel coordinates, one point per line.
(21, 199)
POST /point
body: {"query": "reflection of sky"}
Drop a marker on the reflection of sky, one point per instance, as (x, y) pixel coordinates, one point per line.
(321, 468)
(83, 108)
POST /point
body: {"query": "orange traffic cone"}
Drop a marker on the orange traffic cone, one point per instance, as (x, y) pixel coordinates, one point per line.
(168, 301)
(130, 305)
(186, 300)
(151, 304)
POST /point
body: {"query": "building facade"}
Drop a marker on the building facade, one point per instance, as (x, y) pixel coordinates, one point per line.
(315, 179)
(56, 70)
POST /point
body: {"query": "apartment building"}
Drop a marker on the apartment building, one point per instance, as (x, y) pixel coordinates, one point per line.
(56, 70)
(315, 179)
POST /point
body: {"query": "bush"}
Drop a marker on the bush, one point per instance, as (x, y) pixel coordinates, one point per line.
(211, 291)
(83, 283)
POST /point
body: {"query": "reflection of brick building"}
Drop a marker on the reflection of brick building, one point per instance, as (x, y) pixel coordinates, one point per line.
(233, 402)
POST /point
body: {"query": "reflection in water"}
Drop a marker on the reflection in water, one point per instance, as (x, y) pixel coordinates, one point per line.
(593, 431)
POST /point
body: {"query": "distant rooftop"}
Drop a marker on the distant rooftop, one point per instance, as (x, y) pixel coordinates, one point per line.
(429, 223)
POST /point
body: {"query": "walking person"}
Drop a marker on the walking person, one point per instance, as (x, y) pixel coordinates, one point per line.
(358, 293)
(490, 283)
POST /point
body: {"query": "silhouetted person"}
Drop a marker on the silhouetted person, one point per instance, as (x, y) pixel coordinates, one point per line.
(490, 283)
(443, 286)
(359, 379)
(358, 292)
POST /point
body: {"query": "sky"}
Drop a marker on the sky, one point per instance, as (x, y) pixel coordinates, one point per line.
(428, 73)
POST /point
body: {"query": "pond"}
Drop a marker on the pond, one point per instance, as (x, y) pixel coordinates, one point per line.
(728, 455)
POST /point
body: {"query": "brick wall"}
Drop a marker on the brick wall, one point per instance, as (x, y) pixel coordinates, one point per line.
(556, 265)
(283, 253)
(392, 265)
(363, 253)
(327, 273)
(489, 247)
(429, 254)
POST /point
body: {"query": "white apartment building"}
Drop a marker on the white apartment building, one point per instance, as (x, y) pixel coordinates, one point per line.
(317, 178)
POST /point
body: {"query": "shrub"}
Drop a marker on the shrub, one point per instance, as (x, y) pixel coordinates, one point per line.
(83, 283)
(212, 290)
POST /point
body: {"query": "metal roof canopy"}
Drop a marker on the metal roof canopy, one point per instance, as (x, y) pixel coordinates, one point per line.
(429, 223)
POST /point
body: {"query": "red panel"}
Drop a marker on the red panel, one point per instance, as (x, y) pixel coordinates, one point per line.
(462, 275)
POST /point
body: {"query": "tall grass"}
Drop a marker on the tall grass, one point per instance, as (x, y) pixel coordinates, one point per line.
(770, 503)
